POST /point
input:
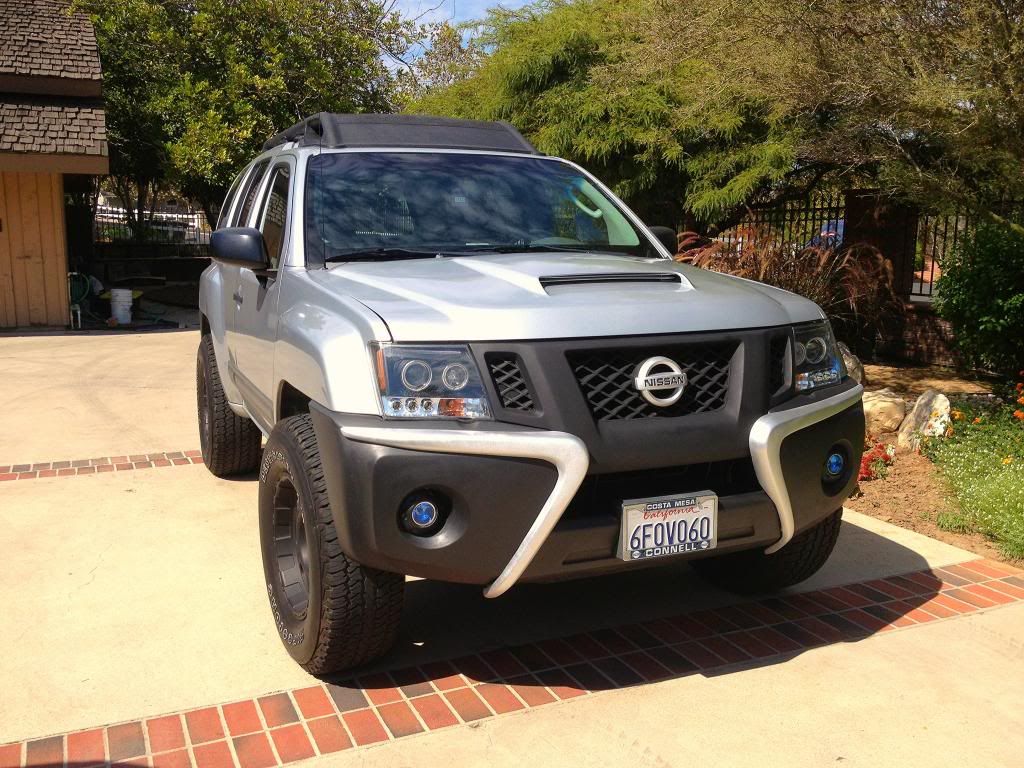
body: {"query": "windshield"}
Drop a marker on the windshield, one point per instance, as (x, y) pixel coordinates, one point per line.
(403, 205)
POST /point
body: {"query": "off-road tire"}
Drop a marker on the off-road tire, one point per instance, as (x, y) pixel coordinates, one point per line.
(230, 443)
(754, 572)
(331, 612)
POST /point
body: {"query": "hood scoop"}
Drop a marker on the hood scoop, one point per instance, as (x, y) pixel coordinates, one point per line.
(559, 281)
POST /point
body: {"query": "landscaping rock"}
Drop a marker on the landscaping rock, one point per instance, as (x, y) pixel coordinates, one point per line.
(884, 411)
(929, 417)
(853, 364)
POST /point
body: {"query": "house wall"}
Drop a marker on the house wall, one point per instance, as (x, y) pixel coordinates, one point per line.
(33, 250)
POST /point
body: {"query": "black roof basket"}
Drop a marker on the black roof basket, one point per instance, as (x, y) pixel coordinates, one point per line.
(333, 131)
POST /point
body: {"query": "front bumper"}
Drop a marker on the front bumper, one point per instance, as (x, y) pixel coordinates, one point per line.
(527, 505)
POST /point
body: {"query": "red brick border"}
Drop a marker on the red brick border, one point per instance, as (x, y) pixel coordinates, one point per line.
(322, 718)
(86, 467)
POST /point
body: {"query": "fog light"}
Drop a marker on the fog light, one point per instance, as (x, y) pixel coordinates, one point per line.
(835, 464)
(423, 514)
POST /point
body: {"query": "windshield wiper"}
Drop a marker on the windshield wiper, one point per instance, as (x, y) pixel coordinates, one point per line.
(384, 254)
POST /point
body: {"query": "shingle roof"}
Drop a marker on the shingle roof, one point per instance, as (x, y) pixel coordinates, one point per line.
(51, 127)
(41, 38)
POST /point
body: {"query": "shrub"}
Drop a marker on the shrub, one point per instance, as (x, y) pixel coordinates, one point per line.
(981, 293)
(853, 285)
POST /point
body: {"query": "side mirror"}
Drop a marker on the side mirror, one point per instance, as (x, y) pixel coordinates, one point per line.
(667, 237)
(241, 246)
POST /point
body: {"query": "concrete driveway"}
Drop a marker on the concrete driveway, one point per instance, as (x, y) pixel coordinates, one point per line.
(136, 629)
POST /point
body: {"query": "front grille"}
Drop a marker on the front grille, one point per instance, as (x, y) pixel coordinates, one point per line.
(606, 380)
(507, 374)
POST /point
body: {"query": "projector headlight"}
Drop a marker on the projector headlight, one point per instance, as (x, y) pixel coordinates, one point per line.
(429, 382)
(816, 359)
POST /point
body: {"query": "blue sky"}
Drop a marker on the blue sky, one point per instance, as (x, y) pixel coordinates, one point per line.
(457, 10)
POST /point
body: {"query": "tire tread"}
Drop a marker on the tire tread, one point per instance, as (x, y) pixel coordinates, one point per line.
(361, 607)
(235, 441)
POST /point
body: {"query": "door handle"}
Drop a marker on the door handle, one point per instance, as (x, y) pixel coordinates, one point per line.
(237, 296)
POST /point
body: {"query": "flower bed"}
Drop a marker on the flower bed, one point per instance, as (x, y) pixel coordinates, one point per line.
(982, 458)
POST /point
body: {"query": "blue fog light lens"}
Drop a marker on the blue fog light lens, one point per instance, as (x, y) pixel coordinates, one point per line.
(424, 514)
(835, 464)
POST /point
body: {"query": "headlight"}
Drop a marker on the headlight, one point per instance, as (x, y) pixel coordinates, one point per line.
(816, 359)
(429, 382)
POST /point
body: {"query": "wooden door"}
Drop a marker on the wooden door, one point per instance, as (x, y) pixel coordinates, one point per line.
(33, 255)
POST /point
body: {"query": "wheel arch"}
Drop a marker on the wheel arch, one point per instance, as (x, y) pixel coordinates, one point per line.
(291, 401)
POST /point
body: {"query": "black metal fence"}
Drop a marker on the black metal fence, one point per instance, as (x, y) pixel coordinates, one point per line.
(796, 224)
(938, 235)
(114, 225)
(166, 248)
(822, 221)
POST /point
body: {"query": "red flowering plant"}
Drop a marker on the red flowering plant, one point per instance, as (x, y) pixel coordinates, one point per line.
(875, 462)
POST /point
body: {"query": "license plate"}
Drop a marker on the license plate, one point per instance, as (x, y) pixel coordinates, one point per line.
(668, 525)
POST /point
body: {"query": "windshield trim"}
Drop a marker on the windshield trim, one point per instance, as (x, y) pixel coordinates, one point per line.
(306, 154)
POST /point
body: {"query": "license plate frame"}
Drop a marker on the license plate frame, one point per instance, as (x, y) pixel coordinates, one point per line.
(668, 518)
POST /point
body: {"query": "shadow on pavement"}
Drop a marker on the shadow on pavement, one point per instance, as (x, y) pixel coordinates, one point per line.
(653, 624)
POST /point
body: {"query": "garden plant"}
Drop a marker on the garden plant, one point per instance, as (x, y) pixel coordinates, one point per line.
(981, 292)
(981, 456)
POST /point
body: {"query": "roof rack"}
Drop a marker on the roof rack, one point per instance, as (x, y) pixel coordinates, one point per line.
(329, 130)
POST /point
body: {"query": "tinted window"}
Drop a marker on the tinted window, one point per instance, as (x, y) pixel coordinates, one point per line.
(229, 200)
(275, 214)
(457, 202)
(252, 187)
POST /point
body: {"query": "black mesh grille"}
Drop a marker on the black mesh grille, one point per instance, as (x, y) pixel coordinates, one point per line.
(510, 382)
(778, 349)
(606, 379)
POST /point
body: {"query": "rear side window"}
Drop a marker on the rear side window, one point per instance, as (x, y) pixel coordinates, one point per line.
(226, 208)
(251, 188)
(275, 213)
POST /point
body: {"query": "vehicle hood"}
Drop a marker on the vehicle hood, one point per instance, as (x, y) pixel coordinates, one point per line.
(546, 296)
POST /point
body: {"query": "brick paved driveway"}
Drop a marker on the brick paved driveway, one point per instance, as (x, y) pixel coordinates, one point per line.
(136, 630)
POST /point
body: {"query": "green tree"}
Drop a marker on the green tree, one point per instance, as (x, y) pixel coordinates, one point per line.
(452, 55)
(694, 108)
(921, 98)
(137, 49)
(194, 87)
(257, 66)
(561, 71)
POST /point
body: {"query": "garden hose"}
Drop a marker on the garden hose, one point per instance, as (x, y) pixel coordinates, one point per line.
(84, 287)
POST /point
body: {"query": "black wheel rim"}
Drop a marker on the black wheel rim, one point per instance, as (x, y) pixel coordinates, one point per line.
(291, 547)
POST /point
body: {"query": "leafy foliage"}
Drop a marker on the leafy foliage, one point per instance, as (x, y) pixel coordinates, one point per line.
(854, 285)
(448, 59)
(981, 292)
(194, 87)
(692, 108)
(982, 458)
(540, 77)
(139, 66)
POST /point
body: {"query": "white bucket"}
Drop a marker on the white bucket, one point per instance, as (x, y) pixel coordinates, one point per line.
(121, 305)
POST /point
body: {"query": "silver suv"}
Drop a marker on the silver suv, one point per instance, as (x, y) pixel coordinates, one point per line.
(472, 362)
